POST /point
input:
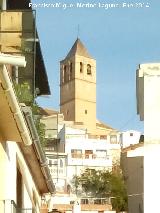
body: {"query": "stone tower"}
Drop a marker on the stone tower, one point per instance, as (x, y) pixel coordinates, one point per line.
(78, 86)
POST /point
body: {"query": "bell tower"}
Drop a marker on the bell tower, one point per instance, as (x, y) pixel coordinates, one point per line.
(78, 86)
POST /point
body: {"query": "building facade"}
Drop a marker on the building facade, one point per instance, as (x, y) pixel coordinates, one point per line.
(132, 158)
(74, 150)
(148, 108)
(129, 137)
(25, 177)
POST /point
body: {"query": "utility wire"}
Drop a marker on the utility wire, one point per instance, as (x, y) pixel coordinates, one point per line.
(128, 121)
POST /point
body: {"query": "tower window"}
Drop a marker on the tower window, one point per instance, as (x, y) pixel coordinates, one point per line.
(70, 71)
(65, 73)
(62, 74)
(85, 111)
(81, 67)
(89, 72)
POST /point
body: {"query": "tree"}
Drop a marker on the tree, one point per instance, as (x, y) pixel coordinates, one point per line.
(104, 184)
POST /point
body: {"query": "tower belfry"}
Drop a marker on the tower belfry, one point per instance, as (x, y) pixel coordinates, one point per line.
(78, 86)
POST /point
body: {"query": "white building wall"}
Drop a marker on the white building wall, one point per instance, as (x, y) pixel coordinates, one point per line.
(129, 137)
(8, 171)
(99, 158)
(148, 76)
(27, 203)
(10, 157)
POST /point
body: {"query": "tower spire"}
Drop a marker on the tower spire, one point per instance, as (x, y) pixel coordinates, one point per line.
(78, 49)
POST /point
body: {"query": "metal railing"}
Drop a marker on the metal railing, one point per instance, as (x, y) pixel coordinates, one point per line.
(89, 156)
(9, 206)
(96, 201)
(16, 209)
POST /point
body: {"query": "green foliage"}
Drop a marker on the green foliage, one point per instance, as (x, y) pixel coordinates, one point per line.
(24, 95)
(39, 126)
(118, 192)
(103, 184)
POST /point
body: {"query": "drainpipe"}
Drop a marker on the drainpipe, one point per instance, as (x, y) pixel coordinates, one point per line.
(11, 97)
(41, 154)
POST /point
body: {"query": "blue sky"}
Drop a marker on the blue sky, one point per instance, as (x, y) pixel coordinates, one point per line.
(118, 38)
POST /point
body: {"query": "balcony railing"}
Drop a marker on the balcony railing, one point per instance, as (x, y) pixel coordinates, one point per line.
(99, 201)
(10, 206)
(15, 209)
(89, 156)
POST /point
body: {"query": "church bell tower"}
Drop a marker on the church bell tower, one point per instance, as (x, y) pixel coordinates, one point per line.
(78, 86)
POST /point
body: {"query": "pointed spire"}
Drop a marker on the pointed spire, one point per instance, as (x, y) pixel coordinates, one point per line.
(78, 49)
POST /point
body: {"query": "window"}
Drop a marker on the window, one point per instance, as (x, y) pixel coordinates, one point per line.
(113, 139)
(85, 111)
(65, 73)
(61, 163)
(76, 153)
(88, 153)
(62, 68)
(89, 69)
(131, 134)
(81, 67)
(103, 136)
(70, 73)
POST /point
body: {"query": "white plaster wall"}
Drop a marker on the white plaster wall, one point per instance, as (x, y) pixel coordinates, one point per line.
(150, 73)
(74, 131)
(127, 139)
(27, 203)
(152, 138)
(8, 171)
(29, 183)
(9, 153)
(88, 144)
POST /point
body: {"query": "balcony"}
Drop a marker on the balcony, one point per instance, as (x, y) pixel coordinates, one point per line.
(99, 201)
(89, 160)
(18, 37)
(15, 209)
(88, 156)
(10, 206)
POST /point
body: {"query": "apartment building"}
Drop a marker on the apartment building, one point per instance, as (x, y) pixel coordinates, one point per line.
(25, 177)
